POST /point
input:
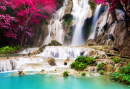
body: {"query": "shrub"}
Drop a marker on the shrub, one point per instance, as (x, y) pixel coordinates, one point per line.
(101, 66)
(83, 74)
(9, 49)
(80, 66)
(65, 74)
(90, 60)
(73, 64)
(81, 62)
(81, 59)
(117, 59)
(122, 75)
(101, 72)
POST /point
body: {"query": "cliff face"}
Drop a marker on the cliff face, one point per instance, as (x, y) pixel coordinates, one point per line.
(114, 33)
(41, 33)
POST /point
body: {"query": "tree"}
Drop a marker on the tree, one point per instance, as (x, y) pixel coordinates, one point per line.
(23, 16)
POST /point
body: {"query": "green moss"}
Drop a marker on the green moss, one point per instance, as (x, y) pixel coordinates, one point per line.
(68, 21)
(92, 5)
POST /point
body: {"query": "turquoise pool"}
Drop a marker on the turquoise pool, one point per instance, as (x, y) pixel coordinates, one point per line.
(12, 81)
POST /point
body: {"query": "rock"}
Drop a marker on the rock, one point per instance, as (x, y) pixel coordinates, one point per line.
(125, 51)
(41, 33)
(90, 42)
(110, 68)
(69, 7)
(120, 15)
(21, 72)
(51, 61)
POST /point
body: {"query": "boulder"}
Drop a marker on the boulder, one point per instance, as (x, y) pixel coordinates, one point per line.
(110, 68)
(21, 72)
(51, 61)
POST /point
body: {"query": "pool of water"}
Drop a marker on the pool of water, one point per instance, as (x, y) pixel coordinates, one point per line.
(37, 81)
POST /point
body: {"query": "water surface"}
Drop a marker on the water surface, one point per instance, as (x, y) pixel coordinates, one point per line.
(13, 81)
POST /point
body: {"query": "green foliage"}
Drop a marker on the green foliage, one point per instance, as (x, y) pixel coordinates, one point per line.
(101, 66)
(54, 43)
(65, 74)
(90, 60)
(9, 49)
(128, 65)
(83, 74)
(81, 59)
(122, 75)
(80, 66)
(81, 62)
(92, 5)
(117, 59)
(101, 72)
(69, 21)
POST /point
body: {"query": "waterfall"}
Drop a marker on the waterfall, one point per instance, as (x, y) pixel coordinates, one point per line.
(94, 22)
(64, 52)
(28, 50)
(113, 28)
(55, 28)
(102, 23)
(81, 10)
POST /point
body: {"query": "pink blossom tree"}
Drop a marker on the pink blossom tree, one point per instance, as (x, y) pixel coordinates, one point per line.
(25, 15)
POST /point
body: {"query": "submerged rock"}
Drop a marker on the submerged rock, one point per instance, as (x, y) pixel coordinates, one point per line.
(21, 72)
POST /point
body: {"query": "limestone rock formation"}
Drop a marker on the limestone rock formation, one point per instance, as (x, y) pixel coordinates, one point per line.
(115, 34)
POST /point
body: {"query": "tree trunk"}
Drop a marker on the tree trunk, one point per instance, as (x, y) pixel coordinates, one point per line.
(22, 39)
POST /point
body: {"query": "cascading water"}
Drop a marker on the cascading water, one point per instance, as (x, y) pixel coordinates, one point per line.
(103, 23)
(55, 28)
(94, 22)
(64, 52)
(81, 11)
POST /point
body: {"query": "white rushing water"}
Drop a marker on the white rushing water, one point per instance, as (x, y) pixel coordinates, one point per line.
(64, 52)
(81, 11)
(55, 27)
(28, 50)
(103, 23)
(113, 28)
(94, 22)
(38, 62)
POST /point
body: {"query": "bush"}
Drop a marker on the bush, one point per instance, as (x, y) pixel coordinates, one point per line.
(101, 66)
(73, 64)
(81, 59)
(117, 59)
(80, 66)
(9, 49)
(90, 60)
(83, 74)
(65, 74)
(122, 75)
(81, 62)
(101, 72)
